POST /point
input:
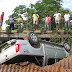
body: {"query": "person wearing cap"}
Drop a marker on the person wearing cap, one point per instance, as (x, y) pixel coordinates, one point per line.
(35, 20)
(67, 20)
(1, 19)
(57, 17)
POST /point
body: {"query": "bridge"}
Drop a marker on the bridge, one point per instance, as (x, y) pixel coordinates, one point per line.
(8, 34)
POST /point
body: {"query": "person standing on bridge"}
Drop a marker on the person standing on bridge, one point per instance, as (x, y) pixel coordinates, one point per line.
(47, 22)
(1, 19)
(20, 22)
(11, 21)
(57, 17)
(35, 20)
(28, 25)
(67, 20)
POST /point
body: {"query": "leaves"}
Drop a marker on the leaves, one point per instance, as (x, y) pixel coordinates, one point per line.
(19, 10)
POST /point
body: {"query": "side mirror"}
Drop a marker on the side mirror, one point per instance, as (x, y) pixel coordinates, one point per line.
(11, 41)
(66, 46)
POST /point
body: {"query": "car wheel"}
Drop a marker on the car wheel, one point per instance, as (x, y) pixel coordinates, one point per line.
(33, 39)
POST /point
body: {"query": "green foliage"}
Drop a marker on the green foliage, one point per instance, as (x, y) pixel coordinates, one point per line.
(55, 38)
(46, 6)
(70, 32)
(7, 28)
(70, 12)
(63, 28)
(19, 10)
(69, 40)
(7, 22)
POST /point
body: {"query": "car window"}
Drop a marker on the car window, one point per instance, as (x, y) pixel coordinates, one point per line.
(6, 45)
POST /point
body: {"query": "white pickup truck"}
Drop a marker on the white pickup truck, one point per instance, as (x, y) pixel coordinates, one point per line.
(18, 49)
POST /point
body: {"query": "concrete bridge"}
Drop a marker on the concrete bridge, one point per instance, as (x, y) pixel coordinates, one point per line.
(24, 34)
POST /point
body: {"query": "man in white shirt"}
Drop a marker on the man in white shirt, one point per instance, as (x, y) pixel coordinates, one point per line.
(67, 20)
(57, 17)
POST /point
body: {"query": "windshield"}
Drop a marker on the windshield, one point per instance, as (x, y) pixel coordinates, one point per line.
(7, 44)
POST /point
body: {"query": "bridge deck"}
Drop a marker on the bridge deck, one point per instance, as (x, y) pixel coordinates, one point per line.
(41, 34)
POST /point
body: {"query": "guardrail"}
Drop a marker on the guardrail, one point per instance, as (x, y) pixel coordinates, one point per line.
(35, 31)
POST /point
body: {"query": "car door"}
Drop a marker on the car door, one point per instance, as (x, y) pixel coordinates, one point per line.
(2, 57)
(10, 52)
(7, 54)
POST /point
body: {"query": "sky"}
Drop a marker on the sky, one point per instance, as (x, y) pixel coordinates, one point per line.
(7, 6)
(67, 4)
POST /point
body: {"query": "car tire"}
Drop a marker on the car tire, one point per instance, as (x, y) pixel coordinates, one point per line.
(33, 39)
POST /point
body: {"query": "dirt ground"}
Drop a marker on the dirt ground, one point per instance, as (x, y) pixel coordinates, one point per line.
(64, 65)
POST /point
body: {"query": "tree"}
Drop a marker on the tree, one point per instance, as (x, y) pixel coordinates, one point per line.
(21, 9)
(45, 7)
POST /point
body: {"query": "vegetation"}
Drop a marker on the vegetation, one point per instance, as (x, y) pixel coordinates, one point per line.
(55, 38)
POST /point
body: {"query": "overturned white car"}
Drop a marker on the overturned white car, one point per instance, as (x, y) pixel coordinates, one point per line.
(15, 51)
